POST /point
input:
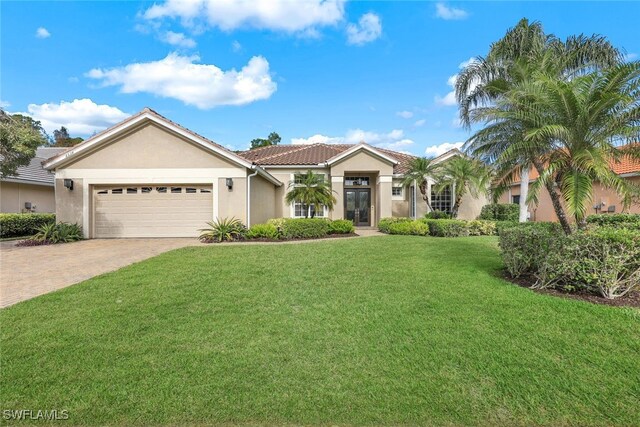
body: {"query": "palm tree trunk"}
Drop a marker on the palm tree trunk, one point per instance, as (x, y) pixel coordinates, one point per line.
(426, 197)
(555, 201)
(524, 192)
(456, 206)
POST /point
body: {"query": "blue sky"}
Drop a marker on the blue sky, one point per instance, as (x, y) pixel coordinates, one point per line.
(311, 70)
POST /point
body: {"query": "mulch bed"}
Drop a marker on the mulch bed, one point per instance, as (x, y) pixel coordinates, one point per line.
(30, 242)
(632, 299)
(329, 236)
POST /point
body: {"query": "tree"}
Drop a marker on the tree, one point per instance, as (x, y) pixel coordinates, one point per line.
(312, 191)
(516, 59)
(19, 139)
(463, 175)
(62, 138)
(420, 170)
(272, 139)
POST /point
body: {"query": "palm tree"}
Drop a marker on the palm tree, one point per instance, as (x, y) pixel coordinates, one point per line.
(420, 169)
(312, 191)
(463, 175)
(514, 60)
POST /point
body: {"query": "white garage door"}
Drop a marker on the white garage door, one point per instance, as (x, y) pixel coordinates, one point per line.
(151, 211)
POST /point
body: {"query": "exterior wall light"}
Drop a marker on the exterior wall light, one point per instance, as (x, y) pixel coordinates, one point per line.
(68, 183)
(230, 183)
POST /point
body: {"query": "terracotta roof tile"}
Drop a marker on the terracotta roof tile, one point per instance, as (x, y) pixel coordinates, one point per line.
(312, 154)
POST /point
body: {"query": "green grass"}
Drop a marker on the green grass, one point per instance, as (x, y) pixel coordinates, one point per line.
(387, 330)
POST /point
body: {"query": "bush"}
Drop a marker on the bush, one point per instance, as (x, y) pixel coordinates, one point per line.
(263, 231)
(385, 223)
(341, 226)
(223, 230)
(500, 212)
(525, 246)
(481, 228)
(622, 220)
(17, 225)
(437, 215)
(501, 225)
(415, 228)
(61, 232)
(448, 228)
(304, 228)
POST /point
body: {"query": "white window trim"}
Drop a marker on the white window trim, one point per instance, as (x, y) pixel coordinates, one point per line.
(401, 196)
(292, 207)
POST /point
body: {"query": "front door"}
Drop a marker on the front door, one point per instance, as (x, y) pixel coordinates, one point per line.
(357, 206)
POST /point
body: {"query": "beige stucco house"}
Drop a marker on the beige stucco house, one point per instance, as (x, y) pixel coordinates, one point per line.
(150, 177)
(31, 188)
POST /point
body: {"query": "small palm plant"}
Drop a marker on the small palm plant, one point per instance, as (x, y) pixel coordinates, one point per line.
(45, 232)
(464, 175)
(312, 191)
(420, 169)
(223, 230)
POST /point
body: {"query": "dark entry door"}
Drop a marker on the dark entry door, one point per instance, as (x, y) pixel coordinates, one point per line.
(357, 204)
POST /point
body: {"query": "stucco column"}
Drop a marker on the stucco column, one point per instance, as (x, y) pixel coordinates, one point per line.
(337, 186)
(383, 194)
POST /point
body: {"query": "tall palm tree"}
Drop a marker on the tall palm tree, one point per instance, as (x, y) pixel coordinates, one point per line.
(420, 170)
(312, 191)
(463, 175)
(514, 60)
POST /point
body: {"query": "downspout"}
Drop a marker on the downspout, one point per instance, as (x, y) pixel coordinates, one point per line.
(249, 196)
(415, 199)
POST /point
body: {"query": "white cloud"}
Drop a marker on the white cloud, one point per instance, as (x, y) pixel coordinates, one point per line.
(469, 61)
(449, 13)
(291, 16)
(42, 33)
(630, 56)
(449, 99)
(236, 46)
(366, 30)
(393, 140)
(202, 85)
(404, 114)
(437, 150)
(177, 39)
(4, 104)
(80, 116)
(419, 123)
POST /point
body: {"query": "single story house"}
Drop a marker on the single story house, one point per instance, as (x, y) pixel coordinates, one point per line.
(603, 199)
(31, 188)
(150, 177)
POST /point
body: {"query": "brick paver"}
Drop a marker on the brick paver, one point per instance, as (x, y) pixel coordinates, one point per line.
(26, 272)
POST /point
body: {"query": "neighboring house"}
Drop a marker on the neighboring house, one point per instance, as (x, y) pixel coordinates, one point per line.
(603, 200)
(31, 189)
(150, 177)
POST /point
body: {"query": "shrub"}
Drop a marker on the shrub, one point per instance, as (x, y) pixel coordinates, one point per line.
(304, 228)
(16, 225)
(622, 220)
(525, 246)
(385, 223)
(448, 228)
(223, 230)
(481, 228)
(277, 222)
(263, 231)
(437, 215)
(416, 228)
(501, 225)
(61, 232)
(500, 212)
(341, 226)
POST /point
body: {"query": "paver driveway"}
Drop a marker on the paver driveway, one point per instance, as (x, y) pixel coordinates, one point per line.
(26, 272)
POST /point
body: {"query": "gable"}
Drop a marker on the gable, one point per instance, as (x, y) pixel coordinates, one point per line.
(149, 147)
(363, 161)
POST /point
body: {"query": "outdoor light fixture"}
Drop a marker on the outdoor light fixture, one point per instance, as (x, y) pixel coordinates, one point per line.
(68, 183)
(230, 183)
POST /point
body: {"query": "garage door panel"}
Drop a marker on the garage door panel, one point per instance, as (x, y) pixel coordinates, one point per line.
(151, 214)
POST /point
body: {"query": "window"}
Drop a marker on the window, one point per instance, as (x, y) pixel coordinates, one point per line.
(176, 189)
(161, 189)
(191, 190)
(442, 201)
(116, 191)
(396, 191)
(204, 190)
(131, 190)
(103, 191)
(300, 209)
(356, 180)
(146, 190)
(515, 199)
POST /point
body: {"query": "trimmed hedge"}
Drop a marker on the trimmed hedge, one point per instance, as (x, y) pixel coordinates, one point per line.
(263, 231)
(480, 227)
(448, 228)
(304, 228)
(437, 215)
(437, 227)
(18, 225)
(621, 220)
(415, 228)
(341, 226)
(500, 212)
(384, 224)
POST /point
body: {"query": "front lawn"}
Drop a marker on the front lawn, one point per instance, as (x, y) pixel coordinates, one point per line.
(382, 330)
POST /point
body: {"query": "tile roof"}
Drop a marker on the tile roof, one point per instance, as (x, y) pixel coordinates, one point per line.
(34, 172)
(313, 154)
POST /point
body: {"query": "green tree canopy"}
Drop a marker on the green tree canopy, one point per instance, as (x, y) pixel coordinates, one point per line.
(463, 175)
(272, 139)
(62, 138)
(420, 170)
(19, 138)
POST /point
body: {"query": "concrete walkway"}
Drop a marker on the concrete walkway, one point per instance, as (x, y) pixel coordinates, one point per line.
(26, 272)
